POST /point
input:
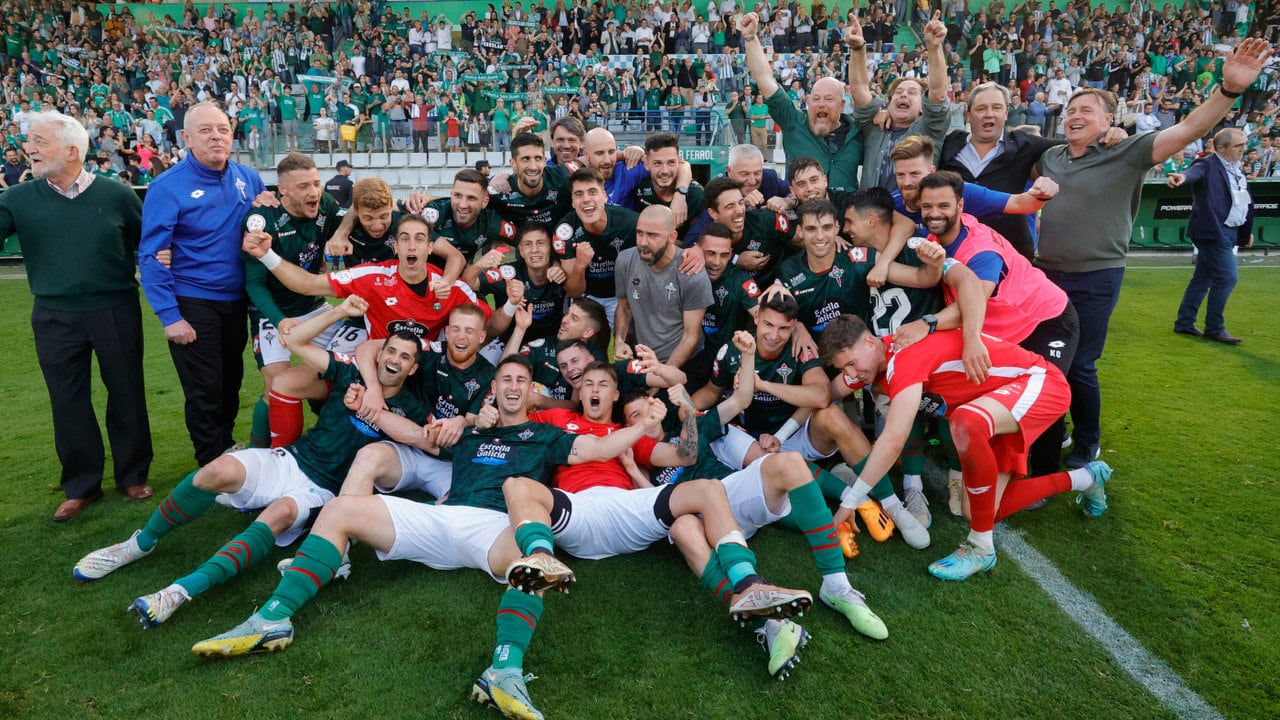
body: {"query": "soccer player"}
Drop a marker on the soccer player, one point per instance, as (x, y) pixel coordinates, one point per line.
(368, 235)
(540, 192)
(291, 483)
(469, 528)
(465, 219)
(585, 320)
(403, 294)
(735, 293)
(792, 410)
(777, 487)
(299, 228)
(761, 238)
(994, 424)
(591, 237)
(664, 185)
(534, 280)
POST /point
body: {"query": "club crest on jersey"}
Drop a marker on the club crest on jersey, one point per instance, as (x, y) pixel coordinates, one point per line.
(836, 274)
(671, 290)
(784, 370)
(616, 243)
(753, 246)
(525, 434)
(721, 294)
(472, 387)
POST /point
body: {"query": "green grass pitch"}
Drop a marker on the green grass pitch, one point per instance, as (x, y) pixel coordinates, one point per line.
(1185, 560)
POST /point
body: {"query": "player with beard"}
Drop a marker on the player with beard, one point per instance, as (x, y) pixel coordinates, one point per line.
(761, 187)
(665, 184)
(404, 293)
(299, 227)
(1023, 306)
(540, 192)
(535, 279)
(994, 424)
(290, 483)
(762, 239)
(792, 411)
(591, 237)
(821, 131)
(910, 112)
(623, 172)
(594, 512)
(465, 219)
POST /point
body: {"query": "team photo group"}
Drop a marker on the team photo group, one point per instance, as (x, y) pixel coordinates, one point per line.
(590, 352)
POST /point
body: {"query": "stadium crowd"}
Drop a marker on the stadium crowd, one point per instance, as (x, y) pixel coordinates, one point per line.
(592, 352)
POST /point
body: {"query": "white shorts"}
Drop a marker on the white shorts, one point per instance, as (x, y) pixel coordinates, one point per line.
(745, 489)
(444, 537)
(269, 349)
(271, 474)
(420, 470)
(347, 339)
(493, 351)
(609, 521)
(732, 448)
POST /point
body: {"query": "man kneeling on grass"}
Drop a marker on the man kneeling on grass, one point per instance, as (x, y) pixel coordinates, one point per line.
(292, 482)
(994, 424)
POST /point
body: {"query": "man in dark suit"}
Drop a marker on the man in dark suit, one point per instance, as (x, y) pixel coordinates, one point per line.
(1221, 219)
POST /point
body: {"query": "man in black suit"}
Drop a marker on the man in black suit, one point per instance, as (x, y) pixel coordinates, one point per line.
(1221, 219)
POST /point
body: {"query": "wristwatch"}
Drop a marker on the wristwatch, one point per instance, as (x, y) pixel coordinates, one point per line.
(932, 321)
(682, 189)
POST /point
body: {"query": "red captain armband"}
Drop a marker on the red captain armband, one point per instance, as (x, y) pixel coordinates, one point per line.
(858, 254)
(751, 288)
(781, 224)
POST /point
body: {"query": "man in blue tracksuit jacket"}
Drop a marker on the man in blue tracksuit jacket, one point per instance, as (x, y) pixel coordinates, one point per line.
(194, 210)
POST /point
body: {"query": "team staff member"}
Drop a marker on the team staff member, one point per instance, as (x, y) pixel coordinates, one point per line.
(339, 186)
(1084, 235)
(200, 297)
(78, 238)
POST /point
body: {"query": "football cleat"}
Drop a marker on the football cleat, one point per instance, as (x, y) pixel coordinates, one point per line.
(155, 608)
(848, 545)
(783, 646)
(103, 562)
(343, 572)
(769, 601)
(255, 635)
(853, 605)
(878, 523)
(540, 571)
(918, 505)
(912, 531)
(962, 564)
(504, 689)
(955, 493)
(1095, 498)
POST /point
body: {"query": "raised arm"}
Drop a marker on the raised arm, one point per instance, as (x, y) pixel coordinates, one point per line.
(934, 33)
(744, 388)
(298, 338)
(757, 63)
(859, 82)
(1238, 72)
(258, 244)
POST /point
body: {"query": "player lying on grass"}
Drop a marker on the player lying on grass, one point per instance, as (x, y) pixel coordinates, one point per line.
(593, 512)
(405, 293)
(291, 483)
(776, 487)
(993, 423)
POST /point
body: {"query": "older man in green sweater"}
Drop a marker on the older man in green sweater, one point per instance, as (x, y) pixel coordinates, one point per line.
(78, 235)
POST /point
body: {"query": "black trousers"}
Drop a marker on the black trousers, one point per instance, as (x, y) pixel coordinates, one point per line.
(65, 345)
(1054, 340)
(211, 369)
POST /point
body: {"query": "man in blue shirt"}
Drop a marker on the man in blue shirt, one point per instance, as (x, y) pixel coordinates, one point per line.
(192, 211)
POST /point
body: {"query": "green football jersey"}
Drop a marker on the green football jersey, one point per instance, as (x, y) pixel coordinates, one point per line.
(619, 234)
(326, 451)
(892, 306)
(735, 293)
(550, 203)
(546, 370)
(825, 296)
(298, 240)
(488, 227)
(367, 249)
(766, 413)
(546, 301)
(767, 232)
(484, 459)
(450, 391)
(644, 195)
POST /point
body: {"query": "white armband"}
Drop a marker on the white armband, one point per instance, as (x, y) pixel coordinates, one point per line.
(845, 496)
(271, 260)
(509, 309)
(788, 429)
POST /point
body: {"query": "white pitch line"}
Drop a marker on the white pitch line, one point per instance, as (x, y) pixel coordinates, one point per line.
(1133, 658)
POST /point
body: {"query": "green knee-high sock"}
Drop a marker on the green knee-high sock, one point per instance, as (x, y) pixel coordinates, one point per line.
(831, 485)
(913, 450)
(812, 515)
(716, 581)
(245, 550)
(260, 430)
(183, 505)
(313, 568)
(534, 536)
(518, 615)
(948, 445)
(738, 561)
